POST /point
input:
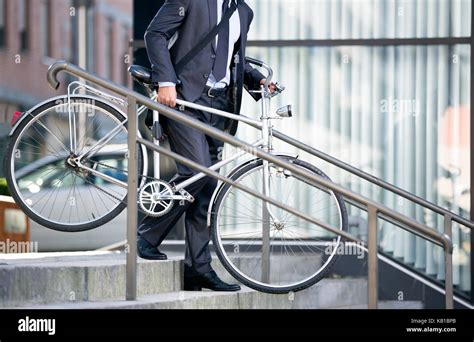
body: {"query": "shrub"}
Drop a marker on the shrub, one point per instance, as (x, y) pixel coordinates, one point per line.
(3, 187)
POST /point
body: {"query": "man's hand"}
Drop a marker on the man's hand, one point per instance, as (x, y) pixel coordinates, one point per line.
(272, 85)
(167, 96)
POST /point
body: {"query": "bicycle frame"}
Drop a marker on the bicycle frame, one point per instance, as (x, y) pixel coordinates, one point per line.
(264, 122)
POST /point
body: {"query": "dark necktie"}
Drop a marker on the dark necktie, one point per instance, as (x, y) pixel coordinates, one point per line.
(222, 54)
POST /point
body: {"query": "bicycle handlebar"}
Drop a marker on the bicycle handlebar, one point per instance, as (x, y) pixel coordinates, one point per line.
(279, 87)
(254, 61)
(262, 65)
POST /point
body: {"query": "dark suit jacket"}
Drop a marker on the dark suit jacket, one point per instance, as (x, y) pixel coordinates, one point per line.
(191, 20)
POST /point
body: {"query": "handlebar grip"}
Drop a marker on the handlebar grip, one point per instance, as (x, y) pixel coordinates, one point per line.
(264, 66)
(254, 61)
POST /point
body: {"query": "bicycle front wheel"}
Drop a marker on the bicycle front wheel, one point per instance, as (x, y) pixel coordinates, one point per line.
(52, 191)
(270, 249)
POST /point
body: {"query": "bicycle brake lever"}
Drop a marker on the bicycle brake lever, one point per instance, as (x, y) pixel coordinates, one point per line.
(279, 89)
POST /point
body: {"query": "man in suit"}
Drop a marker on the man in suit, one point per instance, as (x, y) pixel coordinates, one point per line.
(215, 77)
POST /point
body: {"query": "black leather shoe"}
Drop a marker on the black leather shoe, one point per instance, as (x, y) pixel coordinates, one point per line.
(148, 251)
(210, 281)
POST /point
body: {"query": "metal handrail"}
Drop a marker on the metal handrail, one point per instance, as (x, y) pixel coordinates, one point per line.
(374, 180)
(373, 208)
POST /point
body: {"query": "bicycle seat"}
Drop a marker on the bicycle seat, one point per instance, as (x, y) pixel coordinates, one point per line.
(140, 74)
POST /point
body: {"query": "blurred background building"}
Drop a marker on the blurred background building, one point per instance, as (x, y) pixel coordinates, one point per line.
(35, 33)
(384, 85)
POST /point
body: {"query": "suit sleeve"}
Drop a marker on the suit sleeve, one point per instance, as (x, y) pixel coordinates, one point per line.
(252, 76)
(162, 28)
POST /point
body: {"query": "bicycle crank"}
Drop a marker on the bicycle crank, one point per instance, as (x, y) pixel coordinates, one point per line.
(156, 198)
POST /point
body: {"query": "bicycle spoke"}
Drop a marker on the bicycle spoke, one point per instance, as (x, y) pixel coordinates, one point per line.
(66, 173)
(38, 144)
(258, 206)
(286, 252)
(54, 189)
(42, 135)
(279, 264)
(96, 191)
(297, 248)
(103, 141)
(84, 205)
(237, 234)
(100, 193)
(40, 176)
(53, 135)
(55, 198)
(300, 246)
(299, 238)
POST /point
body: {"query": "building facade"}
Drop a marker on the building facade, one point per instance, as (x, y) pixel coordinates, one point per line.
(35, 33)
(385, 86)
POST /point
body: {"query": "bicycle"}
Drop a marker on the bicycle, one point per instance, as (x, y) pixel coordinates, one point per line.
(66, 167)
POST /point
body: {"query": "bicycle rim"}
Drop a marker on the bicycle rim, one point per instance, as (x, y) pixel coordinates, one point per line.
(51, 191)
(300, 253)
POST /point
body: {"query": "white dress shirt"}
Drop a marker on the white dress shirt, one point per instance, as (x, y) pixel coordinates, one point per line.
(234, 35)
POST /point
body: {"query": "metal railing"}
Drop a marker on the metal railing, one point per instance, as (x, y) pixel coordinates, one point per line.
(374, 209)
(448, 215)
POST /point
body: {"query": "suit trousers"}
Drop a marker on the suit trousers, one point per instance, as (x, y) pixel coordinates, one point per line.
(204, 150)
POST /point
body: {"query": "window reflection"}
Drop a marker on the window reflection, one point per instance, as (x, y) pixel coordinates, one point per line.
(360, 19)
(400, 113)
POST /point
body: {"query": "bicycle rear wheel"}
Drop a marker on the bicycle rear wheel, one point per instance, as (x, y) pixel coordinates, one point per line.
(54, 193)
(299, 253)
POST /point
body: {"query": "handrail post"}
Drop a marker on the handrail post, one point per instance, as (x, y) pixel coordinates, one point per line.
(448, 266)
(132, 207)
(372, 246)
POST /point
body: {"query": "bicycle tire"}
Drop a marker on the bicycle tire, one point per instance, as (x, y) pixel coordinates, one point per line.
(220, 249)
(11, 181)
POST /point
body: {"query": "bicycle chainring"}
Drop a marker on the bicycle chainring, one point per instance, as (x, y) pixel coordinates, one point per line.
(155, 198)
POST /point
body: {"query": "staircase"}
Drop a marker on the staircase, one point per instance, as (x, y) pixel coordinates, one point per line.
(96, 280)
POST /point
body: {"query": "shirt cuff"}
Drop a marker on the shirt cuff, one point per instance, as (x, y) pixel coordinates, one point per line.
(166, 84)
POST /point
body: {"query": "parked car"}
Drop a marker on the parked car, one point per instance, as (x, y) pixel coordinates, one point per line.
(45, 173)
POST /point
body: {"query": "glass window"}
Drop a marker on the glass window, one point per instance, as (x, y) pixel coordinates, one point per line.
(2, 23)
(359, 19)
(108, 43)
(125, 56)
(400, 113)
(76, 47)
(389, 110)
(45, 16)
(90, 38)
(23, 21)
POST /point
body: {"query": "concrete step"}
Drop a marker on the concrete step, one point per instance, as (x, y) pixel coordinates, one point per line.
(245, 299)
(97, 279)
(389, 305)
(51, 278)
(315, 297)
